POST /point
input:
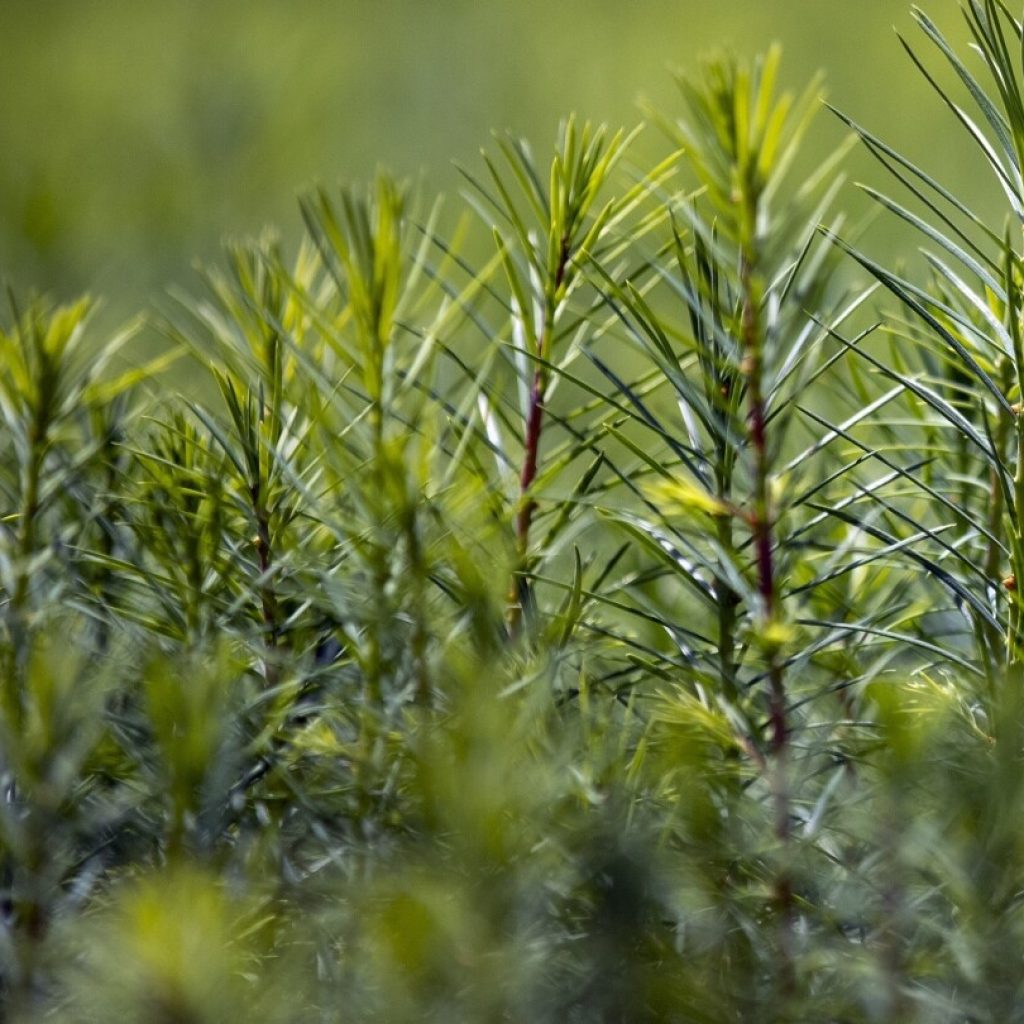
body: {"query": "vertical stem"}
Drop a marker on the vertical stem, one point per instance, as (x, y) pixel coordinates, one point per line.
(29, 512)
(728, 602)
(994, 523)
(372, 708)
(264, 554)
(763, 525)
(1014, 644)
(381, 571)
(107, 546)
(534, 427)
(419, 639)
(762, 521)
(519, 594)
(25, 548)
(29, 916)
(1014, 641)
(258, 496)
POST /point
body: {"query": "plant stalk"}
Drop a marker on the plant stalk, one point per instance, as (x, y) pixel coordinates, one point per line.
(519, 597)
(763, 526)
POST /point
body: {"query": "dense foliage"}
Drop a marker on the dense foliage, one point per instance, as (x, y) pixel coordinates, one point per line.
(622, 627)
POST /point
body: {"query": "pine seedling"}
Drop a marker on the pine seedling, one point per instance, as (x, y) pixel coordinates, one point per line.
(724, 512)
(963, 328)
(546, 227)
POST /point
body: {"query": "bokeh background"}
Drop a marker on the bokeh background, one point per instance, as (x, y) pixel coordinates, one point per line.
(136, 135)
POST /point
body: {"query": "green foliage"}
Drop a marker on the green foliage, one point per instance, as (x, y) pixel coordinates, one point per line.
(625, 628)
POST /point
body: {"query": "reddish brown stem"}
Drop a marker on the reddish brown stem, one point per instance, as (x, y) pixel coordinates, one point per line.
(534, 428)
(762, 520)
(531, 442)
(268, 599)
(763, 526)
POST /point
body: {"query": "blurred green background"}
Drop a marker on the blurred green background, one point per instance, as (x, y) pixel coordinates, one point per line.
(136, 135)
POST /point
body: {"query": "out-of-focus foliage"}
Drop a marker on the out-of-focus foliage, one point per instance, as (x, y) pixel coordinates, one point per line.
(620, 625)
(135, 136)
